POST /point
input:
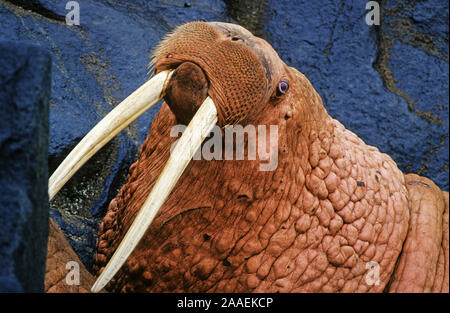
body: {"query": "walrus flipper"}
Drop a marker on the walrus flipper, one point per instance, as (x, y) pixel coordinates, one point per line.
(424, 262)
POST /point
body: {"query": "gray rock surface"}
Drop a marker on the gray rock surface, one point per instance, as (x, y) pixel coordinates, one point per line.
(25, 76)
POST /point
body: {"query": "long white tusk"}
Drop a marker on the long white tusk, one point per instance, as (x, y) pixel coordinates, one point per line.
(120, 117)
(198, 129)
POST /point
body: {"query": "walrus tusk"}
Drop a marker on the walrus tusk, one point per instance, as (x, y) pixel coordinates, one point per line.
(197, 130)
(120, 117)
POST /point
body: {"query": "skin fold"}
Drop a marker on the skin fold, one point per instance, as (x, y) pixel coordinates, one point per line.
(59, 253)
(332, 206)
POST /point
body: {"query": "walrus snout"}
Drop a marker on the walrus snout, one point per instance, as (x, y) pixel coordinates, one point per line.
(186, 91)
(243, 71)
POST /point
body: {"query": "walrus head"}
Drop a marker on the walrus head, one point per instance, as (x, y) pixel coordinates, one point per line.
(227, 220)
(238, 71)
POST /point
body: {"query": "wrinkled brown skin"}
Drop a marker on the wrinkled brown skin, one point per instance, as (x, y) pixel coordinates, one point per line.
(59, 253)
(332, 205)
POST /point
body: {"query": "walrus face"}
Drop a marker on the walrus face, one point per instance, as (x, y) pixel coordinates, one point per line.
(209, 74)
(240, 72)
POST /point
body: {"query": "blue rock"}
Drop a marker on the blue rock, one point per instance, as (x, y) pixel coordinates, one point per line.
(25, 74)
(351, 65)
(83, 234)
(10, 284)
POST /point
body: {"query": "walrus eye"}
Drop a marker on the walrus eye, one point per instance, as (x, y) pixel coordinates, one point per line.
(283, 86)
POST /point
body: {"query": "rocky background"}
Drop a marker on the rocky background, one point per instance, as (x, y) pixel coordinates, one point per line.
(388, 83)
(25, 77)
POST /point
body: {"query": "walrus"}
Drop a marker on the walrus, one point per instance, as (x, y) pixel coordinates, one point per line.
(334, 215)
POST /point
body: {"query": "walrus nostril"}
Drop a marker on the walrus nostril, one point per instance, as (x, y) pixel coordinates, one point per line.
(186, 91)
